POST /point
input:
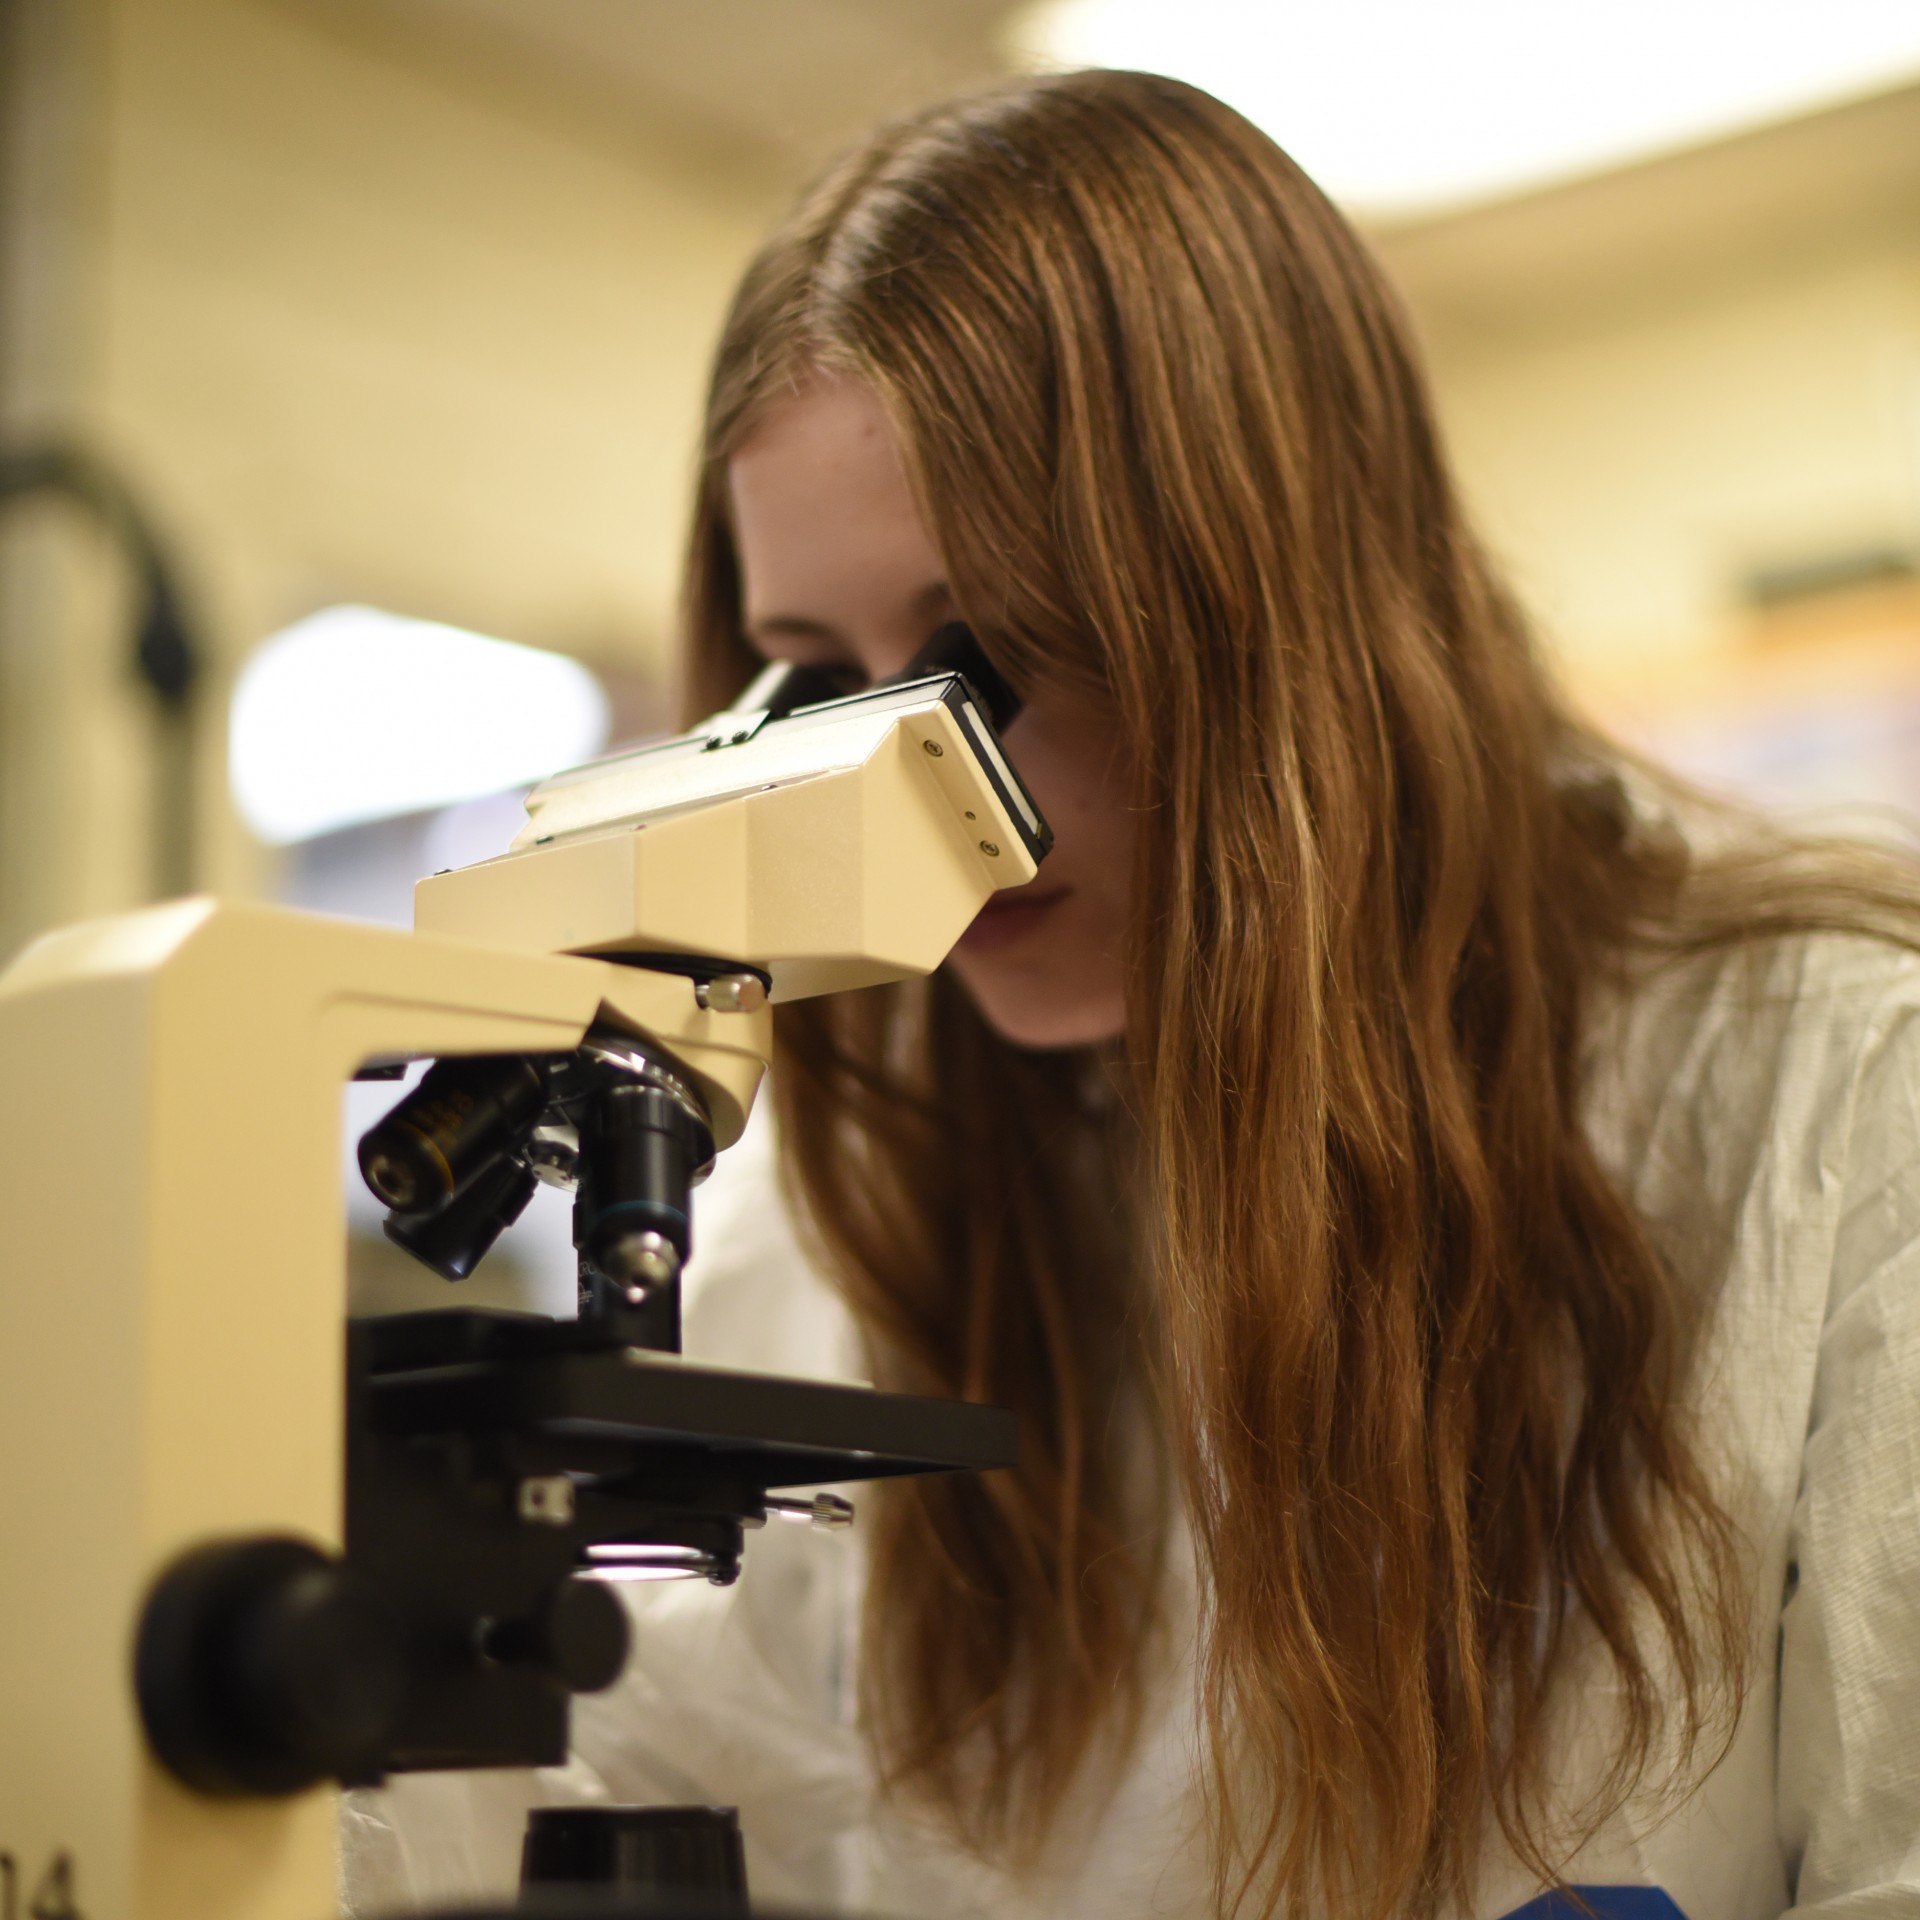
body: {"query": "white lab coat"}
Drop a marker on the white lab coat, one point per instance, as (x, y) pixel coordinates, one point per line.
(1763, 1112)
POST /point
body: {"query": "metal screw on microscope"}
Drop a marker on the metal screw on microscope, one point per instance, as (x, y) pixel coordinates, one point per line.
(731, 993)
(821, 1510)
(553, 1160)
(641, 1260)
(989, 849)
(546, 1500)
(933, 748)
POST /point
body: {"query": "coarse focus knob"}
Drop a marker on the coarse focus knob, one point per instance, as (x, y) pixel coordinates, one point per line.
(264, 1667)
(579, 1638)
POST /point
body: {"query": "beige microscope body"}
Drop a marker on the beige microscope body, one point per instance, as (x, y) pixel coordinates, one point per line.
(171, 1312)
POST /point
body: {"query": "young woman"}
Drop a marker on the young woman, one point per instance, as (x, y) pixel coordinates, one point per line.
(1442, 1203)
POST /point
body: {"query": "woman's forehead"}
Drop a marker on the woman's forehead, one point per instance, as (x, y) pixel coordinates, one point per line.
(823, 513)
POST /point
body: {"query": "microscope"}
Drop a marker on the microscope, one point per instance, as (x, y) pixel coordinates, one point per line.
(251, 1551)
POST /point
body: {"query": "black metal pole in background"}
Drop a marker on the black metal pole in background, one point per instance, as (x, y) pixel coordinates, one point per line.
(166, 658)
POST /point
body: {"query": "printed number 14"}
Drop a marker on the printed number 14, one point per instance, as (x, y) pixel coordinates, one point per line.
(53, 1898)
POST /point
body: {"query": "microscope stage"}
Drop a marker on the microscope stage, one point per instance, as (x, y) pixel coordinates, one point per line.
(464, 1372)
(498, 1462)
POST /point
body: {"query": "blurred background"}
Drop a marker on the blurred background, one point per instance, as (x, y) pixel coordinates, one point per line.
(341, 337)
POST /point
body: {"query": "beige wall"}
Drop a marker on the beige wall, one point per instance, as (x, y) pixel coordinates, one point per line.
(1657, 384)
(362, 323)
(1633, 470)
(397, 333)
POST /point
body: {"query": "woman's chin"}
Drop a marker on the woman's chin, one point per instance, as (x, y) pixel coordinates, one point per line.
(1038, 1009)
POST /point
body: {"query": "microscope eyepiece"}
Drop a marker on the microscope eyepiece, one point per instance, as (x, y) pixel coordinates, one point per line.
(955, 648)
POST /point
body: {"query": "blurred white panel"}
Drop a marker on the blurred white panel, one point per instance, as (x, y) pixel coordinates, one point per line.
(354, 715)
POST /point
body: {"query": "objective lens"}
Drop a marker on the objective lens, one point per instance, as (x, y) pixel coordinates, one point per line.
(456, 1239)
(639, 1154)
(457, 1122)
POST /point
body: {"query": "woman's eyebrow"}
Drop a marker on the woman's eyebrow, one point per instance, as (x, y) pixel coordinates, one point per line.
(927, 605)
(793, 626)
(935, 597)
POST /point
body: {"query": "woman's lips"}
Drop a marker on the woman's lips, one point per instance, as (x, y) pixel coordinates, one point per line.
(1010, 916)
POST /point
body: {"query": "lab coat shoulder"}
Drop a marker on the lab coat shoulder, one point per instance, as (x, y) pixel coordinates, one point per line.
(1762, 1110)
(1849, 1706)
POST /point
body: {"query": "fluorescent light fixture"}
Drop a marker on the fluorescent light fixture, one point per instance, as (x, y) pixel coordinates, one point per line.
(1398, 107)
(355, 715)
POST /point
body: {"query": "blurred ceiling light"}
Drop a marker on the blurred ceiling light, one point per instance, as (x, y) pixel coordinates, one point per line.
(1399, 107)
(354, 715)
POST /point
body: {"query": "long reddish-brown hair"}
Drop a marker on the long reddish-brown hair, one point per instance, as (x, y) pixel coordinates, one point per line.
(1325, 1234)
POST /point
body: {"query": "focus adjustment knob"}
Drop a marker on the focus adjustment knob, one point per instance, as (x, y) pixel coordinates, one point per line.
(579, 1638)
(264, 1667)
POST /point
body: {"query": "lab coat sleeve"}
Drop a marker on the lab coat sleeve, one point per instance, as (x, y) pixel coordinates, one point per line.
(1849, 1726)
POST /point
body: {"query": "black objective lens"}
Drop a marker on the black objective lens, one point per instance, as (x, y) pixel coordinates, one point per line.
(456, 1239)
(639, 1150)
(457, 1122)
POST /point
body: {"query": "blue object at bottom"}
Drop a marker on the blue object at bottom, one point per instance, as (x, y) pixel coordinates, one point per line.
(1601, 1903)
